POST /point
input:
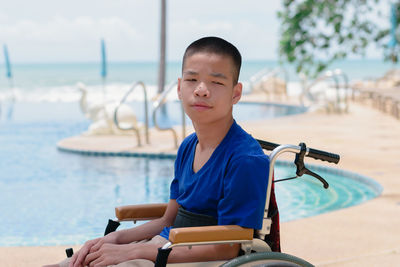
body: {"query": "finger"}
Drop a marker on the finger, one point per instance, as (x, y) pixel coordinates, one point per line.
(73, 259)
(91, 257)
(96, 246)
(81, 257)
(98, 263)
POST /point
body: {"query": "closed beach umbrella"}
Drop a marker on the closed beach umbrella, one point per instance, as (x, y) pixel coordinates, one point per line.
(103, 60)
(393, 25)
(9, 76)
(393, 29)
(103, 72)
(7, 62)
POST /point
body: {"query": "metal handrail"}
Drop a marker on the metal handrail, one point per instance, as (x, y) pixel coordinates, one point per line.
(334, 75)
(267, 73)
(341, 73)
(258, 76)
(146, 116)
(158, 104)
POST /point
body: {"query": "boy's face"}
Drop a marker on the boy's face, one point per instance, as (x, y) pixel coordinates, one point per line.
(207, 88)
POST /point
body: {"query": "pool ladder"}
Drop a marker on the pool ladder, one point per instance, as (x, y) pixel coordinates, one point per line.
(146, 116)
(264, 75)
(334, 75)
(160, 102)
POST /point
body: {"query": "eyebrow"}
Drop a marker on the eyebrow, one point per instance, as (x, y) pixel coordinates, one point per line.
(213, 74)
(190, 72)
(219, 75)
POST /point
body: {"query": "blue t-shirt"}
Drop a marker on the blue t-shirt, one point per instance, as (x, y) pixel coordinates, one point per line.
(231, 186)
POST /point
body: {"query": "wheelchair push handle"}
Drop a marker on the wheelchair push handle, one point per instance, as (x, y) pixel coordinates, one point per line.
(311, 152)
(322, 155)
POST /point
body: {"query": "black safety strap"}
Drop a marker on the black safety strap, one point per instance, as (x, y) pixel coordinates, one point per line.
(162, 257)
(111, 227)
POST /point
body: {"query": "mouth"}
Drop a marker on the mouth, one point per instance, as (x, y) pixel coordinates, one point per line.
(201, 106)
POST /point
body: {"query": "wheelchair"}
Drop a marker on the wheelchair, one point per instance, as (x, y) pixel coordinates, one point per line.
(260, 248)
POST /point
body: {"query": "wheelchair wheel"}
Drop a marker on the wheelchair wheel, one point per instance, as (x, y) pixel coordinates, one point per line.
(267, 259)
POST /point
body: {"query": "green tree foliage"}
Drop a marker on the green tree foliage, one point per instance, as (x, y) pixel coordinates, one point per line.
(314, 33)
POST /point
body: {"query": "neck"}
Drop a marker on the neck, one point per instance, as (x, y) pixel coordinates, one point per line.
(210, 135)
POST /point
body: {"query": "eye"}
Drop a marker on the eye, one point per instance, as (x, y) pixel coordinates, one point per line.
(190, 79)
(217, 83)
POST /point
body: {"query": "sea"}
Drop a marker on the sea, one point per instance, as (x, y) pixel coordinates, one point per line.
(57, 82)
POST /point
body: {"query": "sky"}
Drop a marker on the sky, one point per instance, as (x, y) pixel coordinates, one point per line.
(70, 31)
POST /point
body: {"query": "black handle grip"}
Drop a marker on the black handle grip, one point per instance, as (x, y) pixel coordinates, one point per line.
(322, 155)
(313, 153)
(267, 145)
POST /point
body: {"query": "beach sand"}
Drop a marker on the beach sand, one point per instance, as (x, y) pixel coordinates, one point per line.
(364, 235)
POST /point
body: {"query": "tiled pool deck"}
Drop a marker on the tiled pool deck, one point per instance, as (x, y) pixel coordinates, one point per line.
(364, 235)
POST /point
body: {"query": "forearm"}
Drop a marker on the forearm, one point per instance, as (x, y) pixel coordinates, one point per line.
(141, 232)
(184, 254)
(149, 229)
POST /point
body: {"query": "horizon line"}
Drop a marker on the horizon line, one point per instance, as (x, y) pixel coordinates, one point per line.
(168, 61)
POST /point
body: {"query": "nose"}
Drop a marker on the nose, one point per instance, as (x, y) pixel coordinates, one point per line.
(201, 90)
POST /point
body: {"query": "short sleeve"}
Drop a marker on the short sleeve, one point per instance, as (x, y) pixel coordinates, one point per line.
(245, 186)
(174, 187)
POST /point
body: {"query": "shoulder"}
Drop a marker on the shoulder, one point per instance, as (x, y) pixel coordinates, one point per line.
(247, 159)
(188, 140)
(243, 144)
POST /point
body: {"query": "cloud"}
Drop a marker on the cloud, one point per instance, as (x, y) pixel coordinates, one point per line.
(251, 37)
(58, 35)
(60, 29)
(57, 31)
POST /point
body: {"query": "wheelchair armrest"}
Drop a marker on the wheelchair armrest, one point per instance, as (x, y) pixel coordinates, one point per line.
(140, 212)
(205, 234)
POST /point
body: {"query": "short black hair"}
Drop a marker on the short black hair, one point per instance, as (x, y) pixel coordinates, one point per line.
(218, 46)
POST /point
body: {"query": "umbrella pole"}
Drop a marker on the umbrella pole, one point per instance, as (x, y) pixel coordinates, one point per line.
(104, 89)
(161, 69)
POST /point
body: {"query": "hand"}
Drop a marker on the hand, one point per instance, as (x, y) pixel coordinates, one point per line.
(90, 246)
(109, 254)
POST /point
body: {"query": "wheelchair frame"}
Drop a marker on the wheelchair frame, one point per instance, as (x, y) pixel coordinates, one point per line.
(230, 234)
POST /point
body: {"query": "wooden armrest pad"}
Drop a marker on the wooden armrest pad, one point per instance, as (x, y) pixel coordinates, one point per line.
(140, 212)
(210, 233)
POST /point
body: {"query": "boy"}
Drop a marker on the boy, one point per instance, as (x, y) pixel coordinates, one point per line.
(220, 170)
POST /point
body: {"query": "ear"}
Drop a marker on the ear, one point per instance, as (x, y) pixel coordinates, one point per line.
(179, 89)
(237, 93)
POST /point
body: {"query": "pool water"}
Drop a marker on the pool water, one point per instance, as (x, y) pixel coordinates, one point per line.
(34, 112)
(305, 196)
(50, 197)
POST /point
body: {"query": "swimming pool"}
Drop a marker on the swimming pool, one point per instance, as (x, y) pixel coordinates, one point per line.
(49, 197)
